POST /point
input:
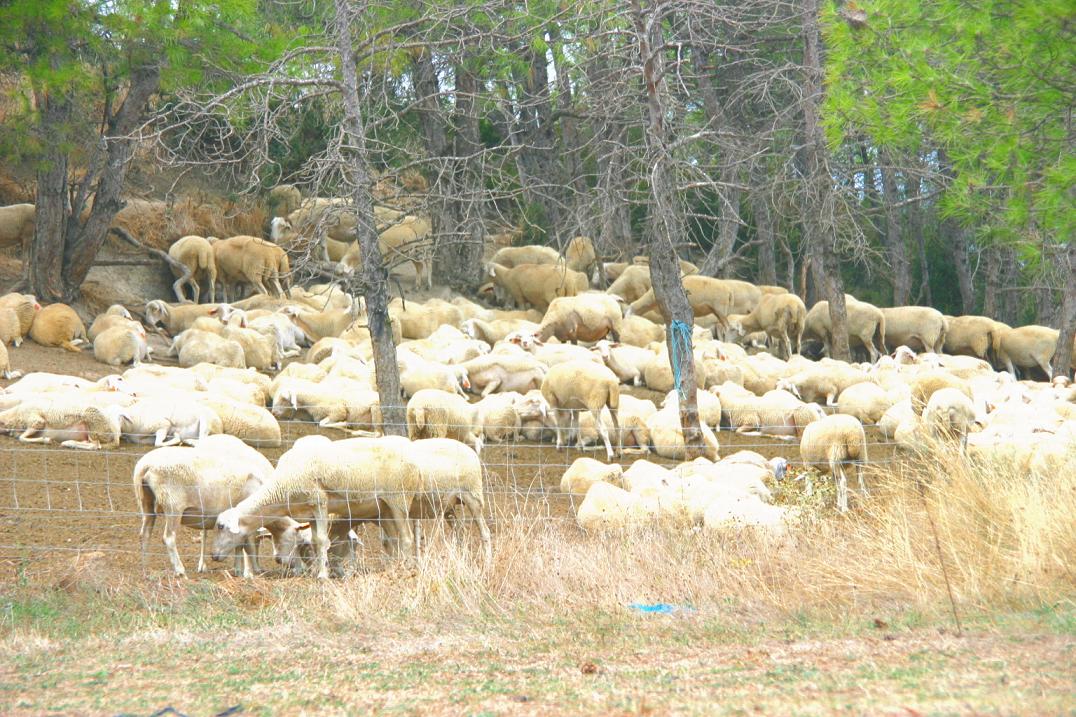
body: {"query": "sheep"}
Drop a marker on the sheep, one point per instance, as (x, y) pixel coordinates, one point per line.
(10, 328)
(322, 296)
(706, 402)
(418, 321)
(417, 374)
(208, 372)
(632, 283)
(1027, 347)
(866, 323)
(627, 362)
(283, 199)
(950, 414)
(513, 256)
(439, 414)
(25, 307)
(447, 345)
(407, 238)
(259, 351)
(249, 260)
(537, 284)
(584, 472)
(494, 331)
(822, 381)
(607, 507)
(667, 436)
(74, 421)
(196, 253)
(451, 473)
(191, 486)
(167, 420)
(580, 255)
(5, 364)
(582, 385)
(972, 335)
(58, 325)
(175, 319)
(120, 345)
(586, 317)
(17, 224)
(776, 413)
(279, 329)
(333, 403)
(639, 331)
(195, 346)
(115, 315)
(634, 433)
(926, 383)
(322, 324)
(499, 372)
(915, 326)
(830, 443)
(707, 296)
(866, 401)
(781, 316)
(316, 245)
(353, 477)
(252, 424)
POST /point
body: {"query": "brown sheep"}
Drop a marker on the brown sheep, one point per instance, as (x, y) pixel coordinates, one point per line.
(536, 284)
(16, 224)
(1027, 348)
(866, 323)
(58, 325)
(25, 307)
(917, 327)
(972, 335)
(196, 253)
(250, 260)
(781, 316)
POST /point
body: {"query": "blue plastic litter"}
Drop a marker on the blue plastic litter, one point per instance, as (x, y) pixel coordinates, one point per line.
(659, 608)
(681, 342)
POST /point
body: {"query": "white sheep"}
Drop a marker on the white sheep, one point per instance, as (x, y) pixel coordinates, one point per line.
(354, 477)
(195, 346)
(253, 424)
(582, 385)
(866, 400)
(503, 372)
(192, 486)
(627, 362)
(120, 345)
(176, 319)
(950, 415)
(195, 253)
(166, 420)
(632, 414)
(333, 403)
(5, 364)
(830, 443)
(667, 435)
(451, 474)
(584, 472)
(72, 420)
(439, 414)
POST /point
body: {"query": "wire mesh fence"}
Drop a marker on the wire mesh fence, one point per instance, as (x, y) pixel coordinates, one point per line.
(60, 500)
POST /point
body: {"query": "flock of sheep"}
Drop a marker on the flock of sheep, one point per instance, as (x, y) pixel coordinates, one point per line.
(550, 365)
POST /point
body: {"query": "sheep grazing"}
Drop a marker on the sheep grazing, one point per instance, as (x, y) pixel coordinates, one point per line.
(74, 422)
(582, 385)
(59, 325)
(915, 326)
(17, 224)
(780, 316)
(586, 317)
(175, 319)
(536, 284)
(366, 477)
(246, 260)
(950, 415)
(866, 324)
(832, 442)
(196, 253)
(25, 307)
(192, 486)
(121, 345)
(451, 474)
(438, 414)
(407, 238)
(1027, 348)
(580, 255)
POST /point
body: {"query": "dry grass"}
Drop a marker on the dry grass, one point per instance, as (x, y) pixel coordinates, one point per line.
(851, 611)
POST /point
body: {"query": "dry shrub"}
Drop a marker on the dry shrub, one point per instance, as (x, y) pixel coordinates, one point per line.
(1006, 540)
(158, 224)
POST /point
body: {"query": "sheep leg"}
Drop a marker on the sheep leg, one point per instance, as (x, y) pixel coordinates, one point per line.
(474, 507)
(201, 552)
(491, 387)
(171, 525)
(836, 467)
(177, 287)
(859, 476)
(399, 510)
(71, 346)
(320, 538)
(82, 445)
(614, 412)
(556, 422)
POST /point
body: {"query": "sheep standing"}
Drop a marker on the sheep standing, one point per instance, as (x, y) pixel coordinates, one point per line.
(195, 253)
(355, 477)
(451, 474)
(582, 385)
(536, 284)
(192, 486)
(866, 323)
(251, 261)
(831, 443)
(17, 224)
(586, 317)
(781, 316)
(915, 326)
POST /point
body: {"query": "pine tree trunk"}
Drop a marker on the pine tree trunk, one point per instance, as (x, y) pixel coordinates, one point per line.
(666, 232)
(374, 275)
(43, 270)
(962, 264)
(767, 248)
(1062, 362)
(894, 239)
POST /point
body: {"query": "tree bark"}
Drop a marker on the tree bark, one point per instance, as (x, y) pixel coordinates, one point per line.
(43, 270)
(894, 239)
(375, 277)
(819, 187)
(767, 248)
(1062, 362)
(962, 264)
(667, 231)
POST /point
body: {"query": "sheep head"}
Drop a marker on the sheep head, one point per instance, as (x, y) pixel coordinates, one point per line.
(230, 534)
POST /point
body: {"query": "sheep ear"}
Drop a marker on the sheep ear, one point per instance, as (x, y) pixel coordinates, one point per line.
(213, 311)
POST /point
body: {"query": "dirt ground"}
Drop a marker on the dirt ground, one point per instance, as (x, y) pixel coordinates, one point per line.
(87, 500)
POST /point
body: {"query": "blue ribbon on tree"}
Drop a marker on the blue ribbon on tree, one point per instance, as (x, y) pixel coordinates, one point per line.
(680, 336)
